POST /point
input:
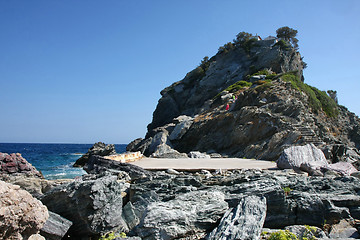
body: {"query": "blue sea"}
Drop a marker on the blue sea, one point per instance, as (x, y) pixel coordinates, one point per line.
(53, 160)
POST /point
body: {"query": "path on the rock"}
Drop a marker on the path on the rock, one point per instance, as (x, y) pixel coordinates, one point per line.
(203, 163)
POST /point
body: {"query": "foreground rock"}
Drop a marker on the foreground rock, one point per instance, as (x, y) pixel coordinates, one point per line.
(55, 227)
(99, 165)
(34, 185)
(21, 215)
(99, 149)
(310, 159)
(291, 199)
(293, 157)
(14, 163)
(191, 212)
(243, 222)
(92, 203)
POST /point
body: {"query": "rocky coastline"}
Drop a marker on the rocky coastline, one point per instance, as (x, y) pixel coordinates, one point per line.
(121, 198)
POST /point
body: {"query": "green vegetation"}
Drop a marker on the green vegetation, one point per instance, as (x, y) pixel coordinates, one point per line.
(238, 86)
(226, 48)
(282, 235)
(308, 234)
(205, 63)
(112, 235)
(289, 35)
(235, 87)
(317, 99)
(333, 95)
(283, 45)
(287, 190)
(245, 40)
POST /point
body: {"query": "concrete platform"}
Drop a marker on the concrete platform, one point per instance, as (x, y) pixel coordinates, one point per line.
(193, 164)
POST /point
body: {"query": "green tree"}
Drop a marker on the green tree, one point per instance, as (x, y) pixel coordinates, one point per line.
(241, 38)
(205, 63)
(289, 35)
(333, 95)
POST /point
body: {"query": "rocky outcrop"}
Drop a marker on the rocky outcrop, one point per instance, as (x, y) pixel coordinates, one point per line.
(14, 163)
(92, 203)
(218, 107)
(190, 95)
(243, 222)
(291, 199)
(21, 215)
(100, 165)
(195, 211)
(99, 149)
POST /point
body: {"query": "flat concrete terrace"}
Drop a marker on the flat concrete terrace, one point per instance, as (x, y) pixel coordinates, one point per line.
(193, 164)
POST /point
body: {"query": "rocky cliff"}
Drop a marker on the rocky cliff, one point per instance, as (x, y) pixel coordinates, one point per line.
(247, 103)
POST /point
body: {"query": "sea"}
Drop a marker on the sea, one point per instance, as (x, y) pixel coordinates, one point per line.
(54, 160)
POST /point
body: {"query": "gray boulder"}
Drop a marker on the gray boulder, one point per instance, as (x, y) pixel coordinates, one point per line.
(93, 203)
(181, 128)
(294, 156)
(187, 214)
(55, 227)
(99, 149)
(98, 165)
(243, 222)
(197, 154)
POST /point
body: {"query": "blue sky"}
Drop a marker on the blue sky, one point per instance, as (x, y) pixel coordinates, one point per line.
(87, 71)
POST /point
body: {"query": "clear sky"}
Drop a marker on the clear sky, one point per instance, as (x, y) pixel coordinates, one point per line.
(76, 71)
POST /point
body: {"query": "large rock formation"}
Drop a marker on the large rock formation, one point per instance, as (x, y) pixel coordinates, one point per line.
(92, 203)
(14, 163)
(21, 215)
(266, 112)
(310, 159)
(99, 149)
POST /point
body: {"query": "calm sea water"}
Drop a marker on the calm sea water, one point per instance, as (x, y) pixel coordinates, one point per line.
(53, 160)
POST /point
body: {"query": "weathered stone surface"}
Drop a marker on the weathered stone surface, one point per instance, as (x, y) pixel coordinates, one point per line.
(98, 164)
(181, 128)
(55, 227)
(21, 215)
(343, 230)
(99, 149)
(197, 154)
(308, 200)
(92, 203)
(191, 212)
(344, 168)
(308, 232)
(129, 216)
(243, 222)
(14, 163)
(294, 156)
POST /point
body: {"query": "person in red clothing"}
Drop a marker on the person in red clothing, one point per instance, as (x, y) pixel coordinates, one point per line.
(227, 107)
